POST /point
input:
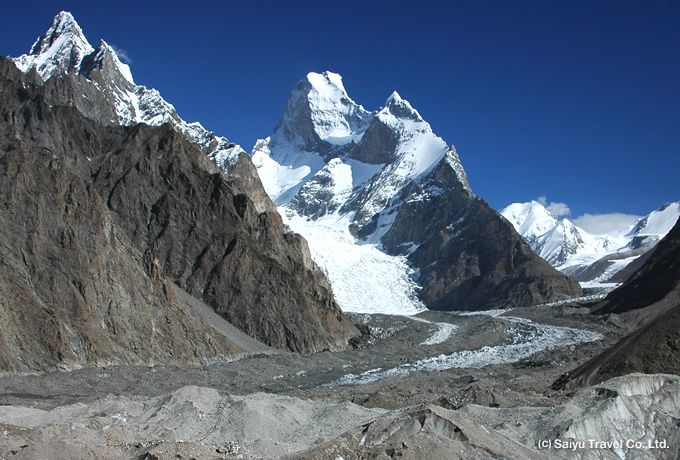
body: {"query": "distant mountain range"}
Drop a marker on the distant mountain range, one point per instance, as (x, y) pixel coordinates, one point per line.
(595, 260)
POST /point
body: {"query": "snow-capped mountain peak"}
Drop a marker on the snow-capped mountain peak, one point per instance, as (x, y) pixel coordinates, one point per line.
(320, 116)
(108, 91)
(377, 190)
(328, 84)
(401, 108)
(63, 26)
(531, 220)
(63, 47)
(592, 259)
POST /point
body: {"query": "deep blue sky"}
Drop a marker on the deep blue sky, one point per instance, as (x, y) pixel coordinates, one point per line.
(575, 101)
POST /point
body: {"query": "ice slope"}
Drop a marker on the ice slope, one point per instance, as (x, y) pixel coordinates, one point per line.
(657, 223)
(64, 49)
(364, 278)
(282, 177)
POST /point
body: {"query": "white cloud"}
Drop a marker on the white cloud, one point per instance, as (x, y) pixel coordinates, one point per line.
(598, 224)
(122, 54)
(557, 209)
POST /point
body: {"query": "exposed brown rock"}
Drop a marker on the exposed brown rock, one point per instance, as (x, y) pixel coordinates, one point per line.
(97, 220)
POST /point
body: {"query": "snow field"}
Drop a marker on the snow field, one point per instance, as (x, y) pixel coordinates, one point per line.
(364, 279)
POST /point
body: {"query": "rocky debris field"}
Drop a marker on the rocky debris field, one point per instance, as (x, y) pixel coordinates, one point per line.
(376, 400)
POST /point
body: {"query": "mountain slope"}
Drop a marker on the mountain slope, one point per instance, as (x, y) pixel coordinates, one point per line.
(384, 183)
(73, 288)
(184, 221)
(650, 297)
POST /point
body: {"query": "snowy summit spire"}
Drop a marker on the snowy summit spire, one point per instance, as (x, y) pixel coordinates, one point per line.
(320, 111)
(62, 47)
(401, 108)
(63, 27)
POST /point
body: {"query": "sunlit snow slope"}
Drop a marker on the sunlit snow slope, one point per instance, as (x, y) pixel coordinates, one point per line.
(594, 260)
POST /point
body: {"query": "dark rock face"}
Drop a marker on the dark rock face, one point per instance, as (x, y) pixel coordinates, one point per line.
(377, 145)
(658, 276)
(653, 294)
(97, 220)
(73, 289)
(469, 257)
(315, 198)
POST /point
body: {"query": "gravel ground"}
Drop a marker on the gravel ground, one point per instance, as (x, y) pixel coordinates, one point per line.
(271, 405)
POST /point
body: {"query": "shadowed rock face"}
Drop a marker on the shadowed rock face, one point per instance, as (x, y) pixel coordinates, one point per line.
(96, 222)
(469, 257)
(652, 297)
(658, 276)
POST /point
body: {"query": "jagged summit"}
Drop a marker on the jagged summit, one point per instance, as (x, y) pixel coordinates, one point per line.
(401, 108)
(62, 47)
(115, 99)
(105, 57)
(64, 26)
(383, 185)
(320, 116)
(321, 122)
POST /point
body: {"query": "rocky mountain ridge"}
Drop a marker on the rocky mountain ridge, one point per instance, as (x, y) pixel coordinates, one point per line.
(108, 93)
(116, 236)
(385, 179)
